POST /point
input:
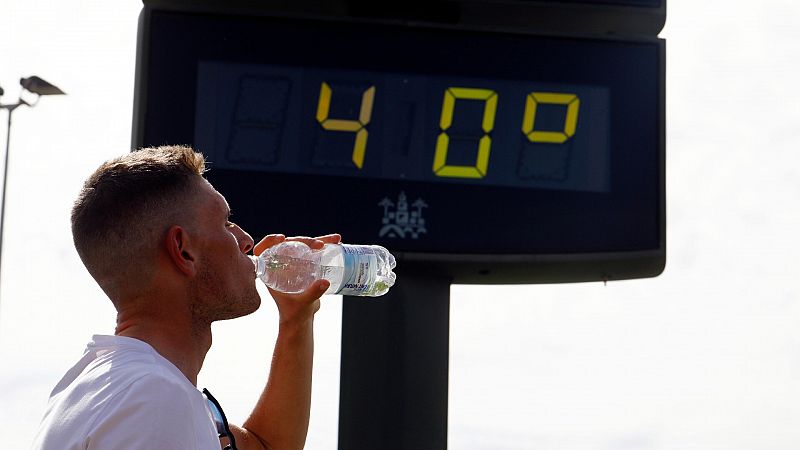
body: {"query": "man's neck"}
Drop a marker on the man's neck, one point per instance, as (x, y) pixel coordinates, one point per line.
(177, 339)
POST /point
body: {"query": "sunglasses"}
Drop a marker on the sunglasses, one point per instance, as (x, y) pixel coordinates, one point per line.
(221, 422)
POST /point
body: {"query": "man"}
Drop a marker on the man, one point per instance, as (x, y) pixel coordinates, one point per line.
(158, 239)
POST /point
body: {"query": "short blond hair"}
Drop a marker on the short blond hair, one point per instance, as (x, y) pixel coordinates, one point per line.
(127, 204)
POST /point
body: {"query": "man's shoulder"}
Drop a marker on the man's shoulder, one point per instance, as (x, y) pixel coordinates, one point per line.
(173, 414)
(116, 372)
(122, 377)
(152, 411)
(126, 373)
(117, 389)
(116, 360)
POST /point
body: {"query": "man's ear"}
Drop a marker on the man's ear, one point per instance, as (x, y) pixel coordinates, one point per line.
(181, 251)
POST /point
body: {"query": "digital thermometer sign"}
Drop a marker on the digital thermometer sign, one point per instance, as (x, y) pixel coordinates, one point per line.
(487, 156)
(403, 127)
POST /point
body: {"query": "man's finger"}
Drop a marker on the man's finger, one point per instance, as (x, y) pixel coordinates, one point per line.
(267, 242)
(314, 243)
(309, 241)
(333, 238)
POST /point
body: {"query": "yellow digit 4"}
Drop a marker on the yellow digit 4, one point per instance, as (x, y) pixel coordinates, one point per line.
(550, 98)
(357, 126)
(440, 167)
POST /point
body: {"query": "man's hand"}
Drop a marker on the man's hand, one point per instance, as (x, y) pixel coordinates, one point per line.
(298, 308)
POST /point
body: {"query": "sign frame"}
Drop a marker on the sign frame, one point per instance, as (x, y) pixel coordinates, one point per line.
(471, 268)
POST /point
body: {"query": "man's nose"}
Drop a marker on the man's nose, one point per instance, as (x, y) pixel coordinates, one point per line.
(246, 242)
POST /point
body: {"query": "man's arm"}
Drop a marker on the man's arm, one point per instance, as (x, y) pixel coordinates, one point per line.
(281, 416)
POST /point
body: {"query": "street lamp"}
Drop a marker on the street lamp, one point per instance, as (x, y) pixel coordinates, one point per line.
(38, 87)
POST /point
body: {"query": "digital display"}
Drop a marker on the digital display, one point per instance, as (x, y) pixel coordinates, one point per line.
(403, 126)
(483, 155)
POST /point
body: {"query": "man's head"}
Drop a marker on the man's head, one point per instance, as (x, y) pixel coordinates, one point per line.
(151, 210)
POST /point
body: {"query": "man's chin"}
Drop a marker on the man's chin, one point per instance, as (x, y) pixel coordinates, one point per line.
(255, 305)
(245, 308)
(249, 307)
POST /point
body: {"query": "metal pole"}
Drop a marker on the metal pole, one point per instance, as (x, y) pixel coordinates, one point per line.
(10, 109)
(394, 374)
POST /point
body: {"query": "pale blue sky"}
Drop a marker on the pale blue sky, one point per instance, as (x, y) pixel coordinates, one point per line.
(705, 356)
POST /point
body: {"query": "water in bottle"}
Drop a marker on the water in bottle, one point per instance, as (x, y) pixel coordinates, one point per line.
(359, 270)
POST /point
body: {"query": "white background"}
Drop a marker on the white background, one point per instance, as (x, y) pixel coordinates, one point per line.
(705, 356)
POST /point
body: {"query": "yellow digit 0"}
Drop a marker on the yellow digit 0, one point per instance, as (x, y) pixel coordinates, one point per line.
(551, 98)
(440, 167)
(357, 126)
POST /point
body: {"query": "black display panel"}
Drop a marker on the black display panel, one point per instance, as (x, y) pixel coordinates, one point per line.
(403, 127)
(640, 3)
(487, 156)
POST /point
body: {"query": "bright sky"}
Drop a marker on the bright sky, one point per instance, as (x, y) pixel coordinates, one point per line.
(705, 356)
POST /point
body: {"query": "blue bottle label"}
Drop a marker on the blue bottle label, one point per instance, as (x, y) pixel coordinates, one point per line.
(360, 270)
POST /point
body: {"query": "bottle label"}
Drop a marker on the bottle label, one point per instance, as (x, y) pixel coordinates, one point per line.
(360, 270)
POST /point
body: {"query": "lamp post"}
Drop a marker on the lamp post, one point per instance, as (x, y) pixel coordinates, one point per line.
(38, 87)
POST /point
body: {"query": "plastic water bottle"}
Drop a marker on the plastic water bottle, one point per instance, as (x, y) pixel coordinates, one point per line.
(360, 270)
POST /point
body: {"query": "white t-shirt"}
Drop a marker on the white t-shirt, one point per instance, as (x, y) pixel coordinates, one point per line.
(123, 395)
